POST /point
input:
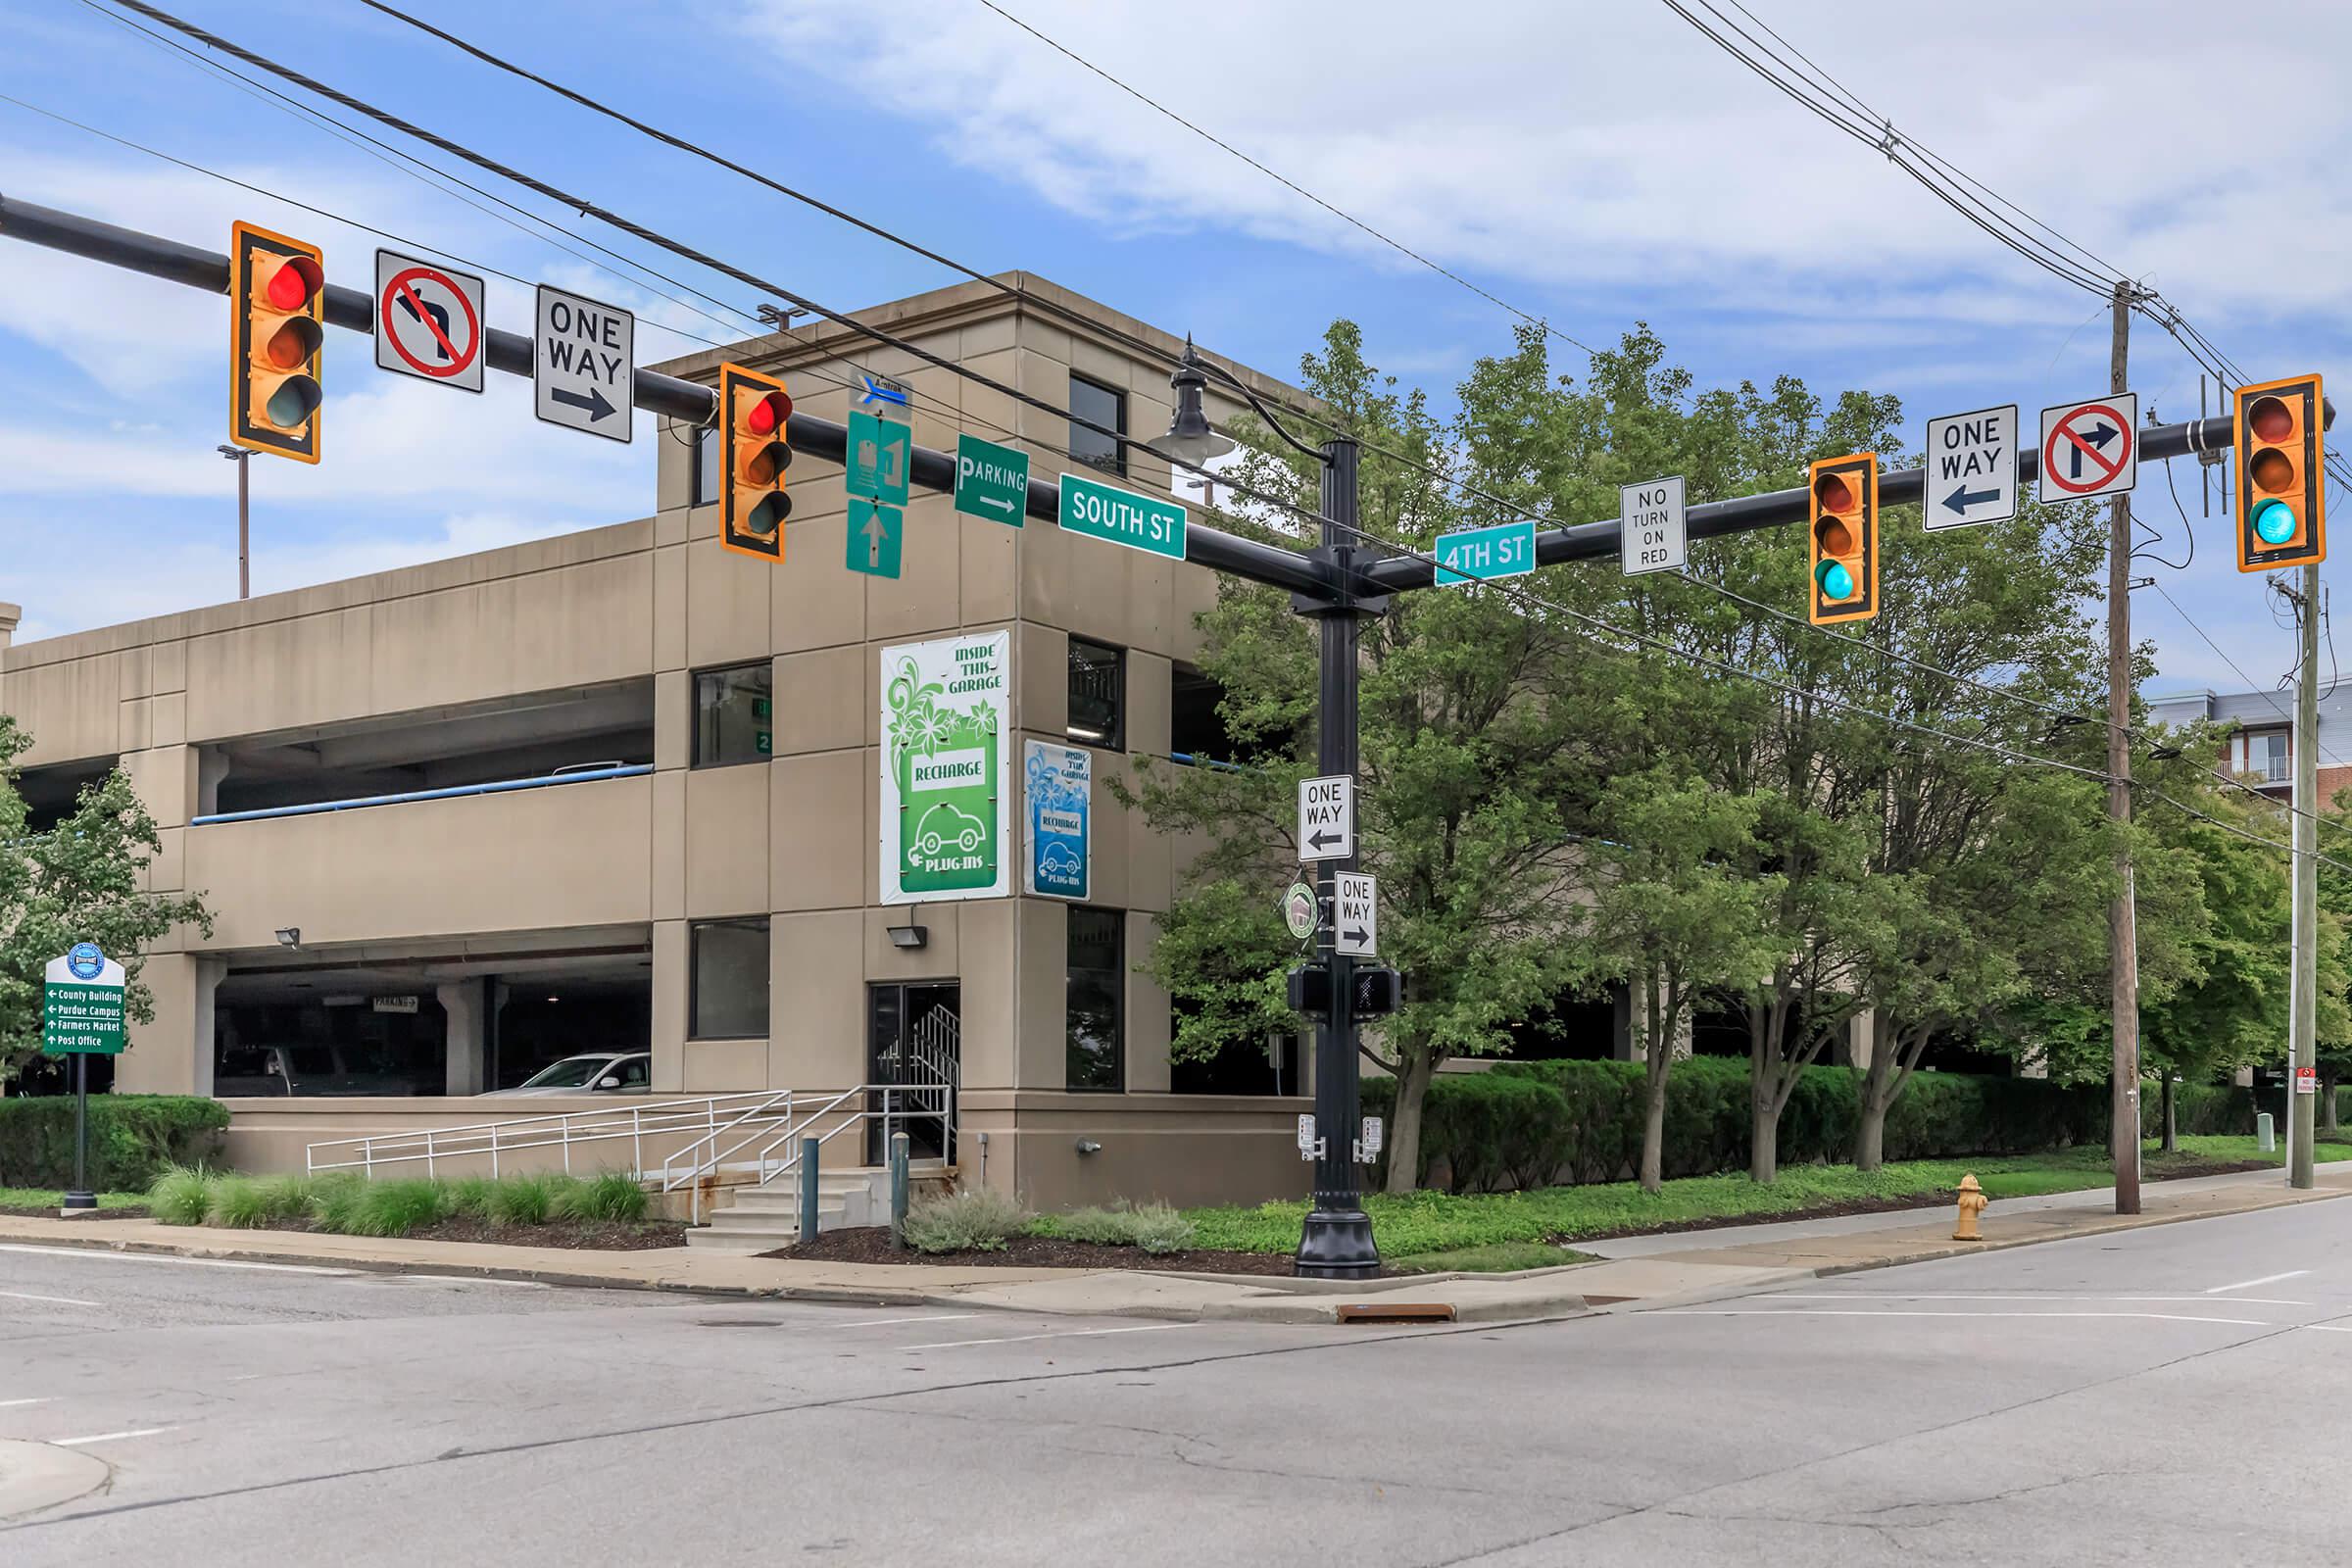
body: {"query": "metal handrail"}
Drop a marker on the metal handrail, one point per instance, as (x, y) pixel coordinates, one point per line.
(516, 1133)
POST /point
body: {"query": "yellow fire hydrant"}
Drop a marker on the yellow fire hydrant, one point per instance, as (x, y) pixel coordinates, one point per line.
(1971, 1203)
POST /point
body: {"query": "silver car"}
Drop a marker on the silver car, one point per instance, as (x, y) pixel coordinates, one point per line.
(598, 1072)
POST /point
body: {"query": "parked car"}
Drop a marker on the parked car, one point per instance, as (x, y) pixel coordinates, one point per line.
(595, 1072)
(322, 1069)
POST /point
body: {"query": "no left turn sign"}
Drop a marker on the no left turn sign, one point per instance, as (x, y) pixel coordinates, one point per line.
(428, 320)
(2090, 448)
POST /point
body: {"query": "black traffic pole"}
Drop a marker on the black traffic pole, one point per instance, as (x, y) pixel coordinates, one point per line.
(1336, 1243)
(81, 1199)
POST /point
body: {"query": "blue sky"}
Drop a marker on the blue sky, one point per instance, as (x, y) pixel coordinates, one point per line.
(1593, 163)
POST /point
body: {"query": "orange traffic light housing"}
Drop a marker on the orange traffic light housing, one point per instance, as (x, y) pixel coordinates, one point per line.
(1843, 583)
(755, 450)
(2281, 474)
(276, 324)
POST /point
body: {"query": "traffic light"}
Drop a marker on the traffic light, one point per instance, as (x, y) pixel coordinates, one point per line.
(2281, 482)
(278, 312)
(1844, 581)
(756, 449)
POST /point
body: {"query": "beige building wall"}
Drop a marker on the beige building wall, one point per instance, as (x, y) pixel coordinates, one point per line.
(790, 839)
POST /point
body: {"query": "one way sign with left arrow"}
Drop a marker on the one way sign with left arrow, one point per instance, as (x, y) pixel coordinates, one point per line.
(584, 365)
(1971, 468)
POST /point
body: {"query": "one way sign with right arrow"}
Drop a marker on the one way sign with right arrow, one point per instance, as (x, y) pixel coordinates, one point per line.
(1326, 817)
(1356, 914)
(1971, 468)
(583, 365)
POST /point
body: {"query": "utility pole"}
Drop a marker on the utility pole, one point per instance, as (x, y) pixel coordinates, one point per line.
(2303, 1052)
(2122, 936)
(238, 456)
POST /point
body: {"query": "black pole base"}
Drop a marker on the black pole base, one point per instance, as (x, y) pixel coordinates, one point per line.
(79, 1202)
(1336, 1244)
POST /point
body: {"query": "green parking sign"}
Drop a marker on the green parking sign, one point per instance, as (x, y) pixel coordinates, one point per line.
(991, 481)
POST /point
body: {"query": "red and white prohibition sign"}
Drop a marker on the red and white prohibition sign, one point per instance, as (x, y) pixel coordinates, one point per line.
(428, 320)
(2090, 448)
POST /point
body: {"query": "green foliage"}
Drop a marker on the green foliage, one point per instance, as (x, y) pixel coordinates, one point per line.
(1157, 1228)
(336, 1200)
(1531, 1124)
(527, 1200)
(134, 1138)
(1498, 1258)
(471, 1196)
(397, 1207)
(47, 1197)
(970, 1219)
(78, 881)
(237, 1204)
(607, 1196)
(181, 1195)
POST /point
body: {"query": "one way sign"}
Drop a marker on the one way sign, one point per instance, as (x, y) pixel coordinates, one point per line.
(1326, 818)
(1356, 914)
(1971, 468)
(584, 365)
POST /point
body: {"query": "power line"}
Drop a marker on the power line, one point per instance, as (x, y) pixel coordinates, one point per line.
(1283, 181)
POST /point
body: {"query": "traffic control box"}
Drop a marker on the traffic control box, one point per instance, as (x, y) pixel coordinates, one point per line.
(754, 415)
(2281, 474)
(278, 315)
(1843, 581)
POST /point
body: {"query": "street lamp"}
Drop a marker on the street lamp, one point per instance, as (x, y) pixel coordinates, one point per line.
(238, 456)
(1336, 1241)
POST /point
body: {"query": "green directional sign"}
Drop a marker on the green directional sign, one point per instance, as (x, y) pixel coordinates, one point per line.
(1475, 554)
(875, 536)
(878, 458)
(1154, 524)
(82, 1004)
(991, 481)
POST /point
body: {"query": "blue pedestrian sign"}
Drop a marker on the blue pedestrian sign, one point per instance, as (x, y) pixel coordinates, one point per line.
(1475, 554)
(1059, 780)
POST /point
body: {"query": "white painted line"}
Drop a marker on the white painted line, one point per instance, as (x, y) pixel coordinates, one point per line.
(1857, 1297)
(12, 1405)
(2267, 1279)
(2162, 1317)
(886, 1322)
(108, 1436)
(58, 1301)
(167, 1258)
(1058, 1334)
(2331, 1327)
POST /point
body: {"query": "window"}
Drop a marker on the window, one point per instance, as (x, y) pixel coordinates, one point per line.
(729, 981)
(1093, 401)
(2267, 755)
(1097, 983)
(1196, 730)
(1098, 694)
(734, 715)
(702, 468)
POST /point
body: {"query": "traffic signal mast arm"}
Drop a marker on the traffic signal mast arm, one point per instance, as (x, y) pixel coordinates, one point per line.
(930, 469)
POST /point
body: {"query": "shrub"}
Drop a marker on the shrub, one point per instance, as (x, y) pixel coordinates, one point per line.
(180, 1195)
(395, 1208)
(470, 1196)
(335, 1201)
(975, 1219)
(237, 1204)
(134, 1139)
(611, 1195)
(1154, 1227)
(1159, 1230)
(290, 1196)
(527, 1200)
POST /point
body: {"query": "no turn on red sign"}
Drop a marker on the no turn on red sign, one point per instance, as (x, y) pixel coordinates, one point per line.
(2090, 448)
(428, 320)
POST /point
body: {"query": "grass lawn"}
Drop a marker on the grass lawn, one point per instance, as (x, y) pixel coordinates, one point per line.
(1501, 1257)
(1417, 1224)
(50, 1197)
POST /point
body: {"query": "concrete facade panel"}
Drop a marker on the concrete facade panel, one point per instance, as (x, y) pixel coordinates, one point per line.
(726, 841)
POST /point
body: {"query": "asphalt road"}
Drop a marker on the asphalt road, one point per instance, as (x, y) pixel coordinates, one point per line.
(2177, 1395)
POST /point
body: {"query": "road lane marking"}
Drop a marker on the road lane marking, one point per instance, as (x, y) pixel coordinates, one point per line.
(1896, 1296)
(108, 1436)
(59, 1300)
(2267, 1279)
(167, 1258)
(13, 1405)
(2331, 1327)
(1058, 1334)
(886, 1322)
(2161, 1317)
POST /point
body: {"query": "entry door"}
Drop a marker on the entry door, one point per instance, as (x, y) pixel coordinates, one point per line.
(914, 1037)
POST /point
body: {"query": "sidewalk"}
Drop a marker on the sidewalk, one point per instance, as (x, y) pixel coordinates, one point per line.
(1632, 1274)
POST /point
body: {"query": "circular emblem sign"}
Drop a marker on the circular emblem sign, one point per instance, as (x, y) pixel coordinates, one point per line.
(1298, 910)
(84, 961)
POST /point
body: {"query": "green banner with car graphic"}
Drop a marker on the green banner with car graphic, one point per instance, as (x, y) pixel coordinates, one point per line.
(946, 707)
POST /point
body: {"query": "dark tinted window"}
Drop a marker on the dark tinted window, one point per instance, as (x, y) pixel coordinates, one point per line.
(701, 477)
(1091, 400)
(1098, 694)
(1098, 981)
(730, 979)
(734, 715)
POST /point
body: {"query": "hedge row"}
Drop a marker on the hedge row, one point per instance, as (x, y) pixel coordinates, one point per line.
(1538, 1124)
(134, 1139)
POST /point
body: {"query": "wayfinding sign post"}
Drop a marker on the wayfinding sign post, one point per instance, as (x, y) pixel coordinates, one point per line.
(82, 1016)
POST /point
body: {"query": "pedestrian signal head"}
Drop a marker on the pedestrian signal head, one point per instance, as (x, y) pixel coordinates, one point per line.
(278, 312)
(754, 415)
(1844, 541)
(2281, 480)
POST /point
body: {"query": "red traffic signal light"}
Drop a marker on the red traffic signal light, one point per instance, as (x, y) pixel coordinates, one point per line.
(2281, 474)
(278, 314)
(754, 415)
(1843, 581)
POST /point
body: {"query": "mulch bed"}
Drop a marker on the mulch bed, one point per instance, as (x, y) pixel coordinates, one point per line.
(871, 1244)
(567, 1235)
(90, 1213)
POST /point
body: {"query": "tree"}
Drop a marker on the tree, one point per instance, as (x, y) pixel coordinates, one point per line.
(78, 881)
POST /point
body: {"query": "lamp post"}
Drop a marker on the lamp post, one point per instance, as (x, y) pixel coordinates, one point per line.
(240, 456)
(1336, 1241)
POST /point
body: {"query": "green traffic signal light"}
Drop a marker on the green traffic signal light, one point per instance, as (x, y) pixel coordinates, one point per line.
(1837, 583)
(2275, 522)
